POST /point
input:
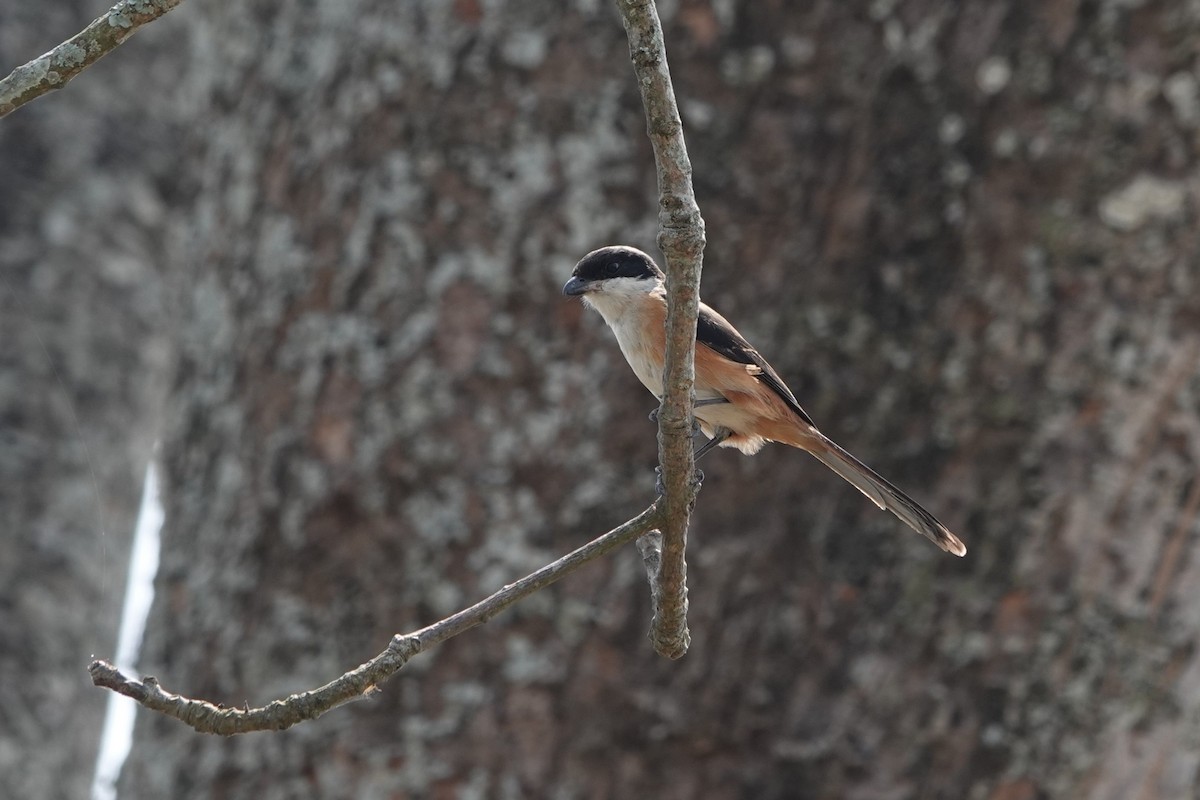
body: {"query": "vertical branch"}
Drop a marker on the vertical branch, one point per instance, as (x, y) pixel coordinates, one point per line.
(682, 242)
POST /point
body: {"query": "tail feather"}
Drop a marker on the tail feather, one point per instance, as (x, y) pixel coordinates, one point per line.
(887, 496)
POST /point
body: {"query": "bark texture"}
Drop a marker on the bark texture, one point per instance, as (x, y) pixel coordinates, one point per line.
(82, 379)
(963, 231)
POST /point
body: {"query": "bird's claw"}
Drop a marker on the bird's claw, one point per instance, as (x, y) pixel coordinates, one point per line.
(660, 488)
(695, 423)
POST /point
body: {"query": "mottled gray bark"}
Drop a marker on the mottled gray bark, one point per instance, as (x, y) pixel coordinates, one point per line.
(82, 379)
(963, 231)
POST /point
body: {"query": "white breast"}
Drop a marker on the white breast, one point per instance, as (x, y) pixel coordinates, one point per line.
(624, 305)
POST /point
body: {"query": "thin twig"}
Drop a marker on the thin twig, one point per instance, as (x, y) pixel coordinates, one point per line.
(362, 681)
(682, 242)
(52, 70)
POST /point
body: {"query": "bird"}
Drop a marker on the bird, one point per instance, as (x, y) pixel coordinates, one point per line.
(740, 400)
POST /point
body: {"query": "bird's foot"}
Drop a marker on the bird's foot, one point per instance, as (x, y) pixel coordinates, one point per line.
(660, 489)
(708, 401)
(695, 425)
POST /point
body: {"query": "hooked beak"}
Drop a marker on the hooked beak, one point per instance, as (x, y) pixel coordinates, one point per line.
(576, 286)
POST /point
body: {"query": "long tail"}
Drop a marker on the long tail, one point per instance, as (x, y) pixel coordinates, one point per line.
(885, 495)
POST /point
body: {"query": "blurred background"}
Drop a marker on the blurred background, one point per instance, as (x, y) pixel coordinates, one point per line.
(316, 249)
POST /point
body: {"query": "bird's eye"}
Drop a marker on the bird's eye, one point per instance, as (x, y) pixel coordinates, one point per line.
(610, 269)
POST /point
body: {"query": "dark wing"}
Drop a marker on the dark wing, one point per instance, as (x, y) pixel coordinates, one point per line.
(714, 332)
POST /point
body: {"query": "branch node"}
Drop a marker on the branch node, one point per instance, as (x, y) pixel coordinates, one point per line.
(404, 646)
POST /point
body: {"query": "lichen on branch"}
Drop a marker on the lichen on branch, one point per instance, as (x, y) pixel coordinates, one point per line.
(52, 70)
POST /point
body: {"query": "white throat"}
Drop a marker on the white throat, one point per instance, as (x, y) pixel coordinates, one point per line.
(620, 296)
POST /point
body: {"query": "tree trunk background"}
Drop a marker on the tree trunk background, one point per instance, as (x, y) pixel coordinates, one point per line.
(964, 232)
(83, 367)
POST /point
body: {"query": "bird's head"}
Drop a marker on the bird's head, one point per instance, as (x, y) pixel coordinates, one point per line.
(613, 276)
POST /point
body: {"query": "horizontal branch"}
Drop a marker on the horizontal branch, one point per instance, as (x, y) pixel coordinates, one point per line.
(206, 717)
(52, 70)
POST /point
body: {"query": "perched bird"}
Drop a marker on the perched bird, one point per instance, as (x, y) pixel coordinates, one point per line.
(740, 400)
